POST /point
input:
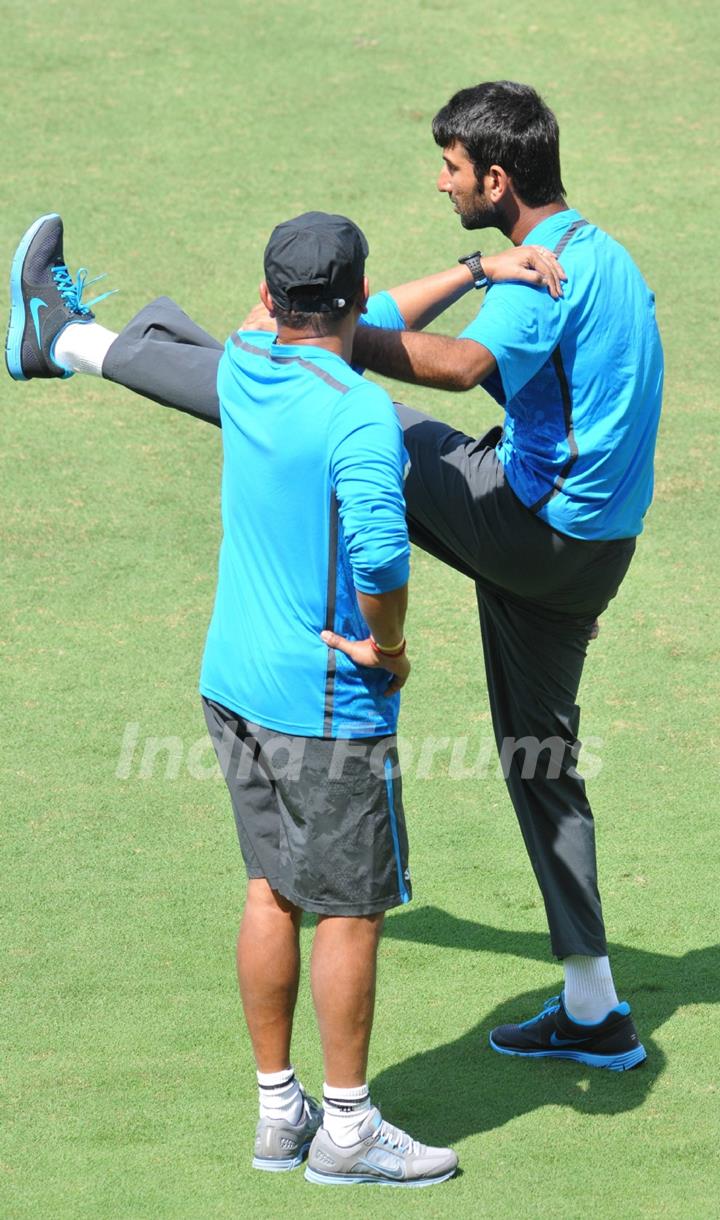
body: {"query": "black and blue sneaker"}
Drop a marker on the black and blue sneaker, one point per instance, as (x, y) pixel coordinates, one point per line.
(611, 1043)
(44, 299)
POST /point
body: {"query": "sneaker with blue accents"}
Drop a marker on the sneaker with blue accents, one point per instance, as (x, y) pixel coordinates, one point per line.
(44, 299)
(383, 1155)
(279, 1145)
(611, 1043)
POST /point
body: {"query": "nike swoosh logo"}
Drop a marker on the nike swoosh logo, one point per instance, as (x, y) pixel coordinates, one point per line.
(395, 1172)
(35, 306)
(555, 1041)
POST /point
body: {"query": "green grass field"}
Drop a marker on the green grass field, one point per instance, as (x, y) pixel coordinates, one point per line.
(172, 138)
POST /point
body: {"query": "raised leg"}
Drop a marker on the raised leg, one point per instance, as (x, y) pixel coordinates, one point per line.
(165, 356)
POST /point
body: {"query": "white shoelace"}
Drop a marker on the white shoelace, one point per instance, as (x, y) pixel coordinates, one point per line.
(397, 1139)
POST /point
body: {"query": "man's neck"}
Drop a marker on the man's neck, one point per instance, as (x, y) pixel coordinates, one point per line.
(522, 219)
(331, 343)
(340, 342)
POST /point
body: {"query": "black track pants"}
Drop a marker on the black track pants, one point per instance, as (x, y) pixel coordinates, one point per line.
(539, 593)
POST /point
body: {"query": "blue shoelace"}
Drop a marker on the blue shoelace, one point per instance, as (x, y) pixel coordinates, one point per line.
(72, 291)
(551, 1005)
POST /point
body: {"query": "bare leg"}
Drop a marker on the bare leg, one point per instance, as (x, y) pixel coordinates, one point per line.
(268, 965)
(343, 974)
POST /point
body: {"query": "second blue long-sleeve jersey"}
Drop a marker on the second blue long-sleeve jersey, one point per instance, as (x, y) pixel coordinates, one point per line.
(313, 510)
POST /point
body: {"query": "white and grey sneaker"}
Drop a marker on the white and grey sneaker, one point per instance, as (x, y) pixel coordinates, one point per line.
(280, 1145)
(383, 1155)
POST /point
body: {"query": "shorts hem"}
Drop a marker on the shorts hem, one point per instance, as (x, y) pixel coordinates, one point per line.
(340, 908)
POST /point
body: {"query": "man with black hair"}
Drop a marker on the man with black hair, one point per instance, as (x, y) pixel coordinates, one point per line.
(542, 514)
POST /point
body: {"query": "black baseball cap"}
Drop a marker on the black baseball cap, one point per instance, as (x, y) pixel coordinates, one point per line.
(315, 262)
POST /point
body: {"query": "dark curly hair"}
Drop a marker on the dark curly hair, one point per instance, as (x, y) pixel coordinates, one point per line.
(507, 124)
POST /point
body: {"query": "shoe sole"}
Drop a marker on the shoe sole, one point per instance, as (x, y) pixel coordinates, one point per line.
(342, 1179)
(16, 325)
(624, 1062)
(277, 1165)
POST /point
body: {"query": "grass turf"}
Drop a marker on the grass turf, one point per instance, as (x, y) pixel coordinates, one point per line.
(172, 140)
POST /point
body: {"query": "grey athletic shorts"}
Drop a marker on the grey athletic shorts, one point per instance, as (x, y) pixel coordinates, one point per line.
(321, 819)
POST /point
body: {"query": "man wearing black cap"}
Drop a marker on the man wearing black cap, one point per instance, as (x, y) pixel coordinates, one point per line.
(314, 541)
(314, 538)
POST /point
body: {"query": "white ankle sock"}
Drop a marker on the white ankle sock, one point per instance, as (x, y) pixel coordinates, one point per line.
(343, 1112)
(82, 346)
(589, 988)
(280, 1095)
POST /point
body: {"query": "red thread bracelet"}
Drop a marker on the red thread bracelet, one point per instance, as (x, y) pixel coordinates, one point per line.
(389, 652)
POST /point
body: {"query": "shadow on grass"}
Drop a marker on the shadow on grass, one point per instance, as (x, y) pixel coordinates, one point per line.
(473, 1089)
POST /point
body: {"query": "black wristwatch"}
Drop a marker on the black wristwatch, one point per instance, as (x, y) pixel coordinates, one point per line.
(472, 261)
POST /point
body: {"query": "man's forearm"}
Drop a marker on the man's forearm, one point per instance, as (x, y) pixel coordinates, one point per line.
(384, 614)
(434, 360)
(420, 301)
(431, 360)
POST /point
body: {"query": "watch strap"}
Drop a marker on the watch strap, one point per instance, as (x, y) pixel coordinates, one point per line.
(474, 265)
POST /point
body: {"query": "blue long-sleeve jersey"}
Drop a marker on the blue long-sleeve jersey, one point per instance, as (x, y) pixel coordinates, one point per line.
(313, 510)
(581, 382)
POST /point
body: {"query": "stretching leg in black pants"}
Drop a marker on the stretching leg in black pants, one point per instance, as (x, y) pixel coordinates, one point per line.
(538, 592)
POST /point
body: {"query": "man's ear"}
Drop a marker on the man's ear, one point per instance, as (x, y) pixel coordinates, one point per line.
(363, 294)
(266, 298)
(498, 185)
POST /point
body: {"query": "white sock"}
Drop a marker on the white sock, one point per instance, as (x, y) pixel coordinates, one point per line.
(589, 988)
(82, 346)
(280, 1095)
(343, 1112)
